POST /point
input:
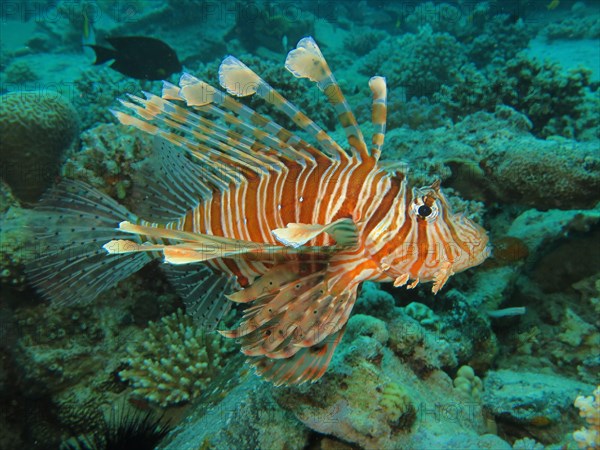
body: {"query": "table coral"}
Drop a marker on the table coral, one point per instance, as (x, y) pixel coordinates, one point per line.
(175, 361)
(36, 130)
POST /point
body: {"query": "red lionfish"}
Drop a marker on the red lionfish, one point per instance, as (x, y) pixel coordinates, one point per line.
(291, 227)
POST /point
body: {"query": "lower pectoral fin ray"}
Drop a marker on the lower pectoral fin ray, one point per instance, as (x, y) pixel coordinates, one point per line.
(344, 232)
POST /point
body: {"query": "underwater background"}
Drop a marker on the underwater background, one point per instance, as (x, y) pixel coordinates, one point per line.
(499, 100)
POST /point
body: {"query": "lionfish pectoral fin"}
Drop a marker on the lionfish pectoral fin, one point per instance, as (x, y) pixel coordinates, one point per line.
(401, 280)
(344, 231)
(413, 284)
(69, 226)
(265, 285)
(308, 364)
(193, 247)
(441, 276)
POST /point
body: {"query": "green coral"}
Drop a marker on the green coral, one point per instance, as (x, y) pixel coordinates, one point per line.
(36, 129)
(468, 383)
(422, 313)
(174, 361)
(398, 405)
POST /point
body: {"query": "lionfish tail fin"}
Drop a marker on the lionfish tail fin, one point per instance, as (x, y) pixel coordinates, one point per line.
(69, 226)
(309, 364)
(307, 61)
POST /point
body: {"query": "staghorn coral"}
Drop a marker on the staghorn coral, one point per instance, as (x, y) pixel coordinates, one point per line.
(175, 361)
(589, 407)
(36, 129)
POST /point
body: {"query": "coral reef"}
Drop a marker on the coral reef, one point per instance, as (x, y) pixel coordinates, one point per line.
(468, 383)
(556, 103)
(420, 62)
(20, 72)
(110, 156)
(422, 313)
(174, 361)
(539, 403)
(582, 23)
(589, 408)
(492, 157)
(36, 130)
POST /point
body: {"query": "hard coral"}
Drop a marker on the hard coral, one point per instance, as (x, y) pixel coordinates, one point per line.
(175, 361)
(109, 157)
(589, 407)
(557, 103)
(36, 129)
(420, 62)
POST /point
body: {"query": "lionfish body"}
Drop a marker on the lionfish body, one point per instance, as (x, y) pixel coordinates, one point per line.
(292, 228)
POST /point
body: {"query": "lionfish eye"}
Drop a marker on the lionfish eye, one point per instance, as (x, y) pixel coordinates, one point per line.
(424, 210)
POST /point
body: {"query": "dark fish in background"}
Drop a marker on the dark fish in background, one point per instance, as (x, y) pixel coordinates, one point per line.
(139, 57)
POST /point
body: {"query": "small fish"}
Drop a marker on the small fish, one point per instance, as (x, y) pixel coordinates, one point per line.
(88, 37)
(552, 5)
(262, 217)
(139, 57)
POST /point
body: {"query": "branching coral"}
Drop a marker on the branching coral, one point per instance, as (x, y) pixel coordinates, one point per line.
(589, 407)
(174, 361)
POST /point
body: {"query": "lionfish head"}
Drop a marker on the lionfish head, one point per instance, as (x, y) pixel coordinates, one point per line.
(439, 243)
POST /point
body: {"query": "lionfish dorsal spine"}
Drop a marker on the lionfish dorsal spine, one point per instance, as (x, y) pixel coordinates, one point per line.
(307, 61)
(378, 113)
(239, 80)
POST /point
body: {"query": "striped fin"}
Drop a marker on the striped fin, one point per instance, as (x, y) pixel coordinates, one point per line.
(194, 247)
(266, 133)
(268, 284)
(379, 113)
(308, 364)
(269, 310)
(239, 80)
(70, 224)
(307, 61)
(226, 154)
(344, 232)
